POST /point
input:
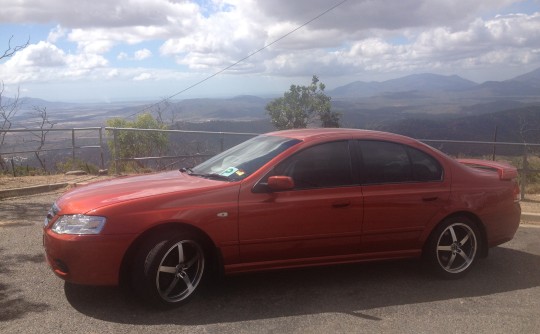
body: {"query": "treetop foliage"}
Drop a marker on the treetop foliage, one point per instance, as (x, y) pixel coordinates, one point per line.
(301, 106)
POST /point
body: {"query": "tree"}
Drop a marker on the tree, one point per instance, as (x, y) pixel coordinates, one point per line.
(45, 125)
(7, 112)
(8, 109)
(128, 144)
(301, 105)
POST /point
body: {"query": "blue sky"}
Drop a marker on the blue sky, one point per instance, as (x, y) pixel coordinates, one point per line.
(149, 49)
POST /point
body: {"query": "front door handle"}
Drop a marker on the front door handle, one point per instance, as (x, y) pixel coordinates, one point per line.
(430, 199)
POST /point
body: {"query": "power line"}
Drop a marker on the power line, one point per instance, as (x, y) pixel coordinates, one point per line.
(241, 60)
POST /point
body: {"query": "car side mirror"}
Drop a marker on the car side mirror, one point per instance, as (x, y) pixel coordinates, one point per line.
(278, 183)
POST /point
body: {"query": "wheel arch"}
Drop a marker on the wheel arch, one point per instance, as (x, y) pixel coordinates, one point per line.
(208, 244)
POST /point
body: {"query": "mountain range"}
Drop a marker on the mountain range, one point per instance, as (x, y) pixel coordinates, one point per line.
(428, 84)
(420, 105)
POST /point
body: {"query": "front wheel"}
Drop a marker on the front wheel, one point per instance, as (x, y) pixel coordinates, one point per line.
(453, 247)
(169, 269)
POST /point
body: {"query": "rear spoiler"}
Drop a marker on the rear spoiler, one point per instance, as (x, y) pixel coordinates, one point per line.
(505, 171)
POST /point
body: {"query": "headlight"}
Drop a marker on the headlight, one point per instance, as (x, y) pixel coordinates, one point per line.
(79, 224)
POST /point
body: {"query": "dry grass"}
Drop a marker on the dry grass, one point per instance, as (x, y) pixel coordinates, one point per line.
(10, 182)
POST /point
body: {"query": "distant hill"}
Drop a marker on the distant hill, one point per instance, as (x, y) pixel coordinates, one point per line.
(429, 85)
(28, 103)
(531, 78)
(411, 83)
(522, 86)
(240, 108)
(244, 107)
(514, 125)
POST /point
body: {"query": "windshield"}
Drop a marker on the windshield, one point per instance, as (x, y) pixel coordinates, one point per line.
(244, 159)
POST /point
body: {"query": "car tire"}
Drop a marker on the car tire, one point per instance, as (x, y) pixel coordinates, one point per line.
(169, 268)
(453, 247)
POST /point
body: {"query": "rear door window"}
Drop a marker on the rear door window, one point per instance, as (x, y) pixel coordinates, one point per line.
(388, 162)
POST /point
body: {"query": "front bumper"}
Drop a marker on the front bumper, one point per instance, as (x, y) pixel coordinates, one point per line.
(86, 259)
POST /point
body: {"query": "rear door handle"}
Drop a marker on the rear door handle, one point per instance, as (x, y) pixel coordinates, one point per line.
(341, 204)
(430, 199)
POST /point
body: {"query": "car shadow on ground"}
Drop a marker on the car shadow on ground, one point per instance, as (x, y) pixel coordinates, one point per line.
(350, 289)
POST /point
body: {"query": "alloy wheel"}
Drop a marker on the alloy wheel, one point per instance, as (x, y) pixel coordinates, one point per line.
(456, 248)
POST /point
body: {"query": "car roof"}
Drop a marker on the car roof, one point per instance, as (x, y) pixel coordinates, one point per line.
(340, 133)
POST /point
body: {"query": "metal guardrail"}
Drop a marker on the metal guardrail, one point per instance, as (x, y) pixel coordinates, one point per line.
(101, 146)
(221, 135)
(73, 147)
(525, 171)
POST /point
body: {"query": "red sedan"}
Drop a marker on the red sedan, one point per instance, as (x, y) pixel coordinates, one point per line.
(284, 199)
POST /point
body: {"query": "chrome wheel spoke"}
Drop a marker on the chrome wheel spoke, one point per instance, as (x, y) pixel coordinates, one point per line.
(171, 286)
(452, 233)
(188, 282)
(167, 269)
(451, 261)
(465, 257)
(194, 260)
(444, 248)
(180, 253)
(465, 239)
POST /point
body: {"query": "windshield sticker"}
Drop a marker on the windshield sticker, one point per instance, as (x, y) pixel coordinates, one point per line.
(229, 171)
(240, 172)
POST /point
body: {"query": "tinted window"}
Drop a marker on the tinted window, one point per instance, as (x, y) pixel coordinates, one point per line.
(424, 167)
(386, 162)
(324, 165)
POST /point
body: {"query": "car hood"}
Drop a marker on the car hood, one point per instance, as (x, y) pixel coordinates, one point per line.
(103, 193)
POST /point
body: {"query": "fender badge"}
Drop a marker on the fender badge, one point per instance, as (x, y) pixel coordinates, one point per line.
(223, 214)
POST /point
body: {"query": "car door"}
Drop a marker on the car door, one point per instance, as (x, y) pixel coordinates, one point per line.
(320, 216)
(403, 189)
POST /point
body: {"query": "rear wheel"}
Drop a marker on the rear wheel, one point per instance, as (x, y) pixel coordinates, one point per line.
(169, 268)
(454, 247)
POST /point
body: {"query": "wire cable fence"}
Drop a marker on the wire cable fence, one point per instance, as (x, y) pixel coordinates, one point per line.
(118, 150)
(128, 150)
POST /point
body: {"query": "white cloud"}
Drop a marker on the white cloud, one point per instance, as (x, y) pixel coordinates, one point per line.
(56, 34)
(122, 56)
(358, 37)
(44, 61)
(143, 76)
(92, 13)
(113, 73)
(43, 54)
(142, 54)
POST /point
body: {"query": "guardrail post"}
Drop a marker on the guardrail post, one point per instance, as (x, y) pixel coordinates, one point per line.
(101, 148)
(222, 142)
(525, 172)
(73, 147)
(116, 153)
